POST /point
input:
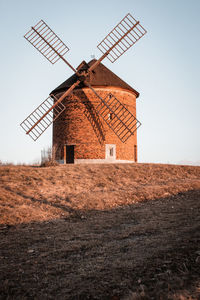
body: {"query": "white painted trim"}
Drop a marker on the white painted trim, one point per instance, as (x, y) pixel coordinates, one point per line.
(107, 150)
(102, 161)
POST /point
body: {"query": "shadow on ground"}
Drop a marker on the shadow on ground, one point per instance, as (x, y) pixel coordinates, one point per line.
(149, 250)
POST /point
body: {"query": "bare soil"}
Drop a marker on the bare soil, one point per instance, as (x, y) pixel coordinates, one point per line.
(122, 231)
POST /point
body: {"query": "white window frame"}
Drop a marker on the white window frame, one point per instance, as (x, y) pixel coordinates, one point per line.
(110, 148)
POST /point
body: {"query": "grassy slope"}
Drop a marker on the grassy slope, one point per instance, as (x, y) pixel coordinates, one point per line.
(37, 194)
(94, 236)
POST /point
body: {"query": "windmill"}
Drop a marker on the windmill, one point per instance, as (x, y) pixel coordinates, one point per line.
(123, 123)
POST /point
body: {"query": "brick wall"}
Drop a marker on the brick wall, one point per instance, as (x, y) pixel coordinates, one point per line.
(80, 125)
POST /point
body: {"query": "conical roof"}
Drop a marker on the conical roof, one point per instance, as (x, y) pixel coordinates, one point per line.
(101, 76)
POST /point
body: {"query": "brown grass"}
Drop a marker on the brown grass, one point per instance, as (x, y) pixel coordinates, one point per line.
(36, 194)
(122, 231)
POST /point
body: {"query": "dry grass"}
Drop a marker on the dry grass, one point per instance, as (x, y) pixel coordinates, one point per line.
(100, 232)
(37, 194)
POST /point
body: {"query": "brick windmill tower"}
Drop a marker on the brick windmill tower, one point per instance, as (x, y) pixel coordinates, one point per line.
(80, 134)
(94, 111)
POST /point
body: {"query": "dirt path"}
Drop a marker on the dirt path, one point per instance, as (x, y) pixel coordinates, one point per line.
(146, 250)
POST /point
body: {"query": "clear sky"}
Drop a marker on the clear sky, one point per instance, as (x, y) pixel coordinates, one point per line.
(164, 66)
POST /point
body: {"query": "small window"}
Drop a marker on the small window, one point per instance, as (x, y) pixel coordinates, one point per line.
(111, 152)
(110, 116)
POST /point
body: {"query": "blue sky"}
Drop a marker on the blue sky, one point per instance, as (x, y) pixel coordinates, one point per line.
(164, 66)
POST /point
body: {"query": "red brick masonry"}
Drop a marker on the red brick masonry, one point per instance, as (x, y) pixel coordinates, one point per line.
(80, 125)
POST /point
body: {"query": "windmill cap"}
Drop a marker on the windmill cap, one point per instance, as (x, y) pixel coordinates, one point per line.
(101, 76)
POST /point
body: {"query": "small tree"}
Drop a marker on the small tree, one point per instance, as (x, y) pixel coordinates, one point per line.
(47, 158)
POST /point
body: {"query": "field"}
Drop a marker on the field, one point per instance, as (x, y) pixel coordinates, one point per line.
(121, 231)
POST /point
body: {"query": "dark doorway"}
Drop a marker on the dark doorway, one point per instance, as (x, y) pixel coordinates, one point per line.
(69, 154)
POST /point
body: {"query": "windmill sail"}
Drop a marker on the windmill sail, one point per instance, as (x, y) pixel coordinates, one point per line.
(47, 43)
(42, 117)
(47, 112)
(117, 116)
(121, 38)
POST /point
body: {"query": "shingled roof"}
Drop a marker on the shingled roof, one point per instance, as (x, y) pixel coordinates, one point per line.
(101, 76)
